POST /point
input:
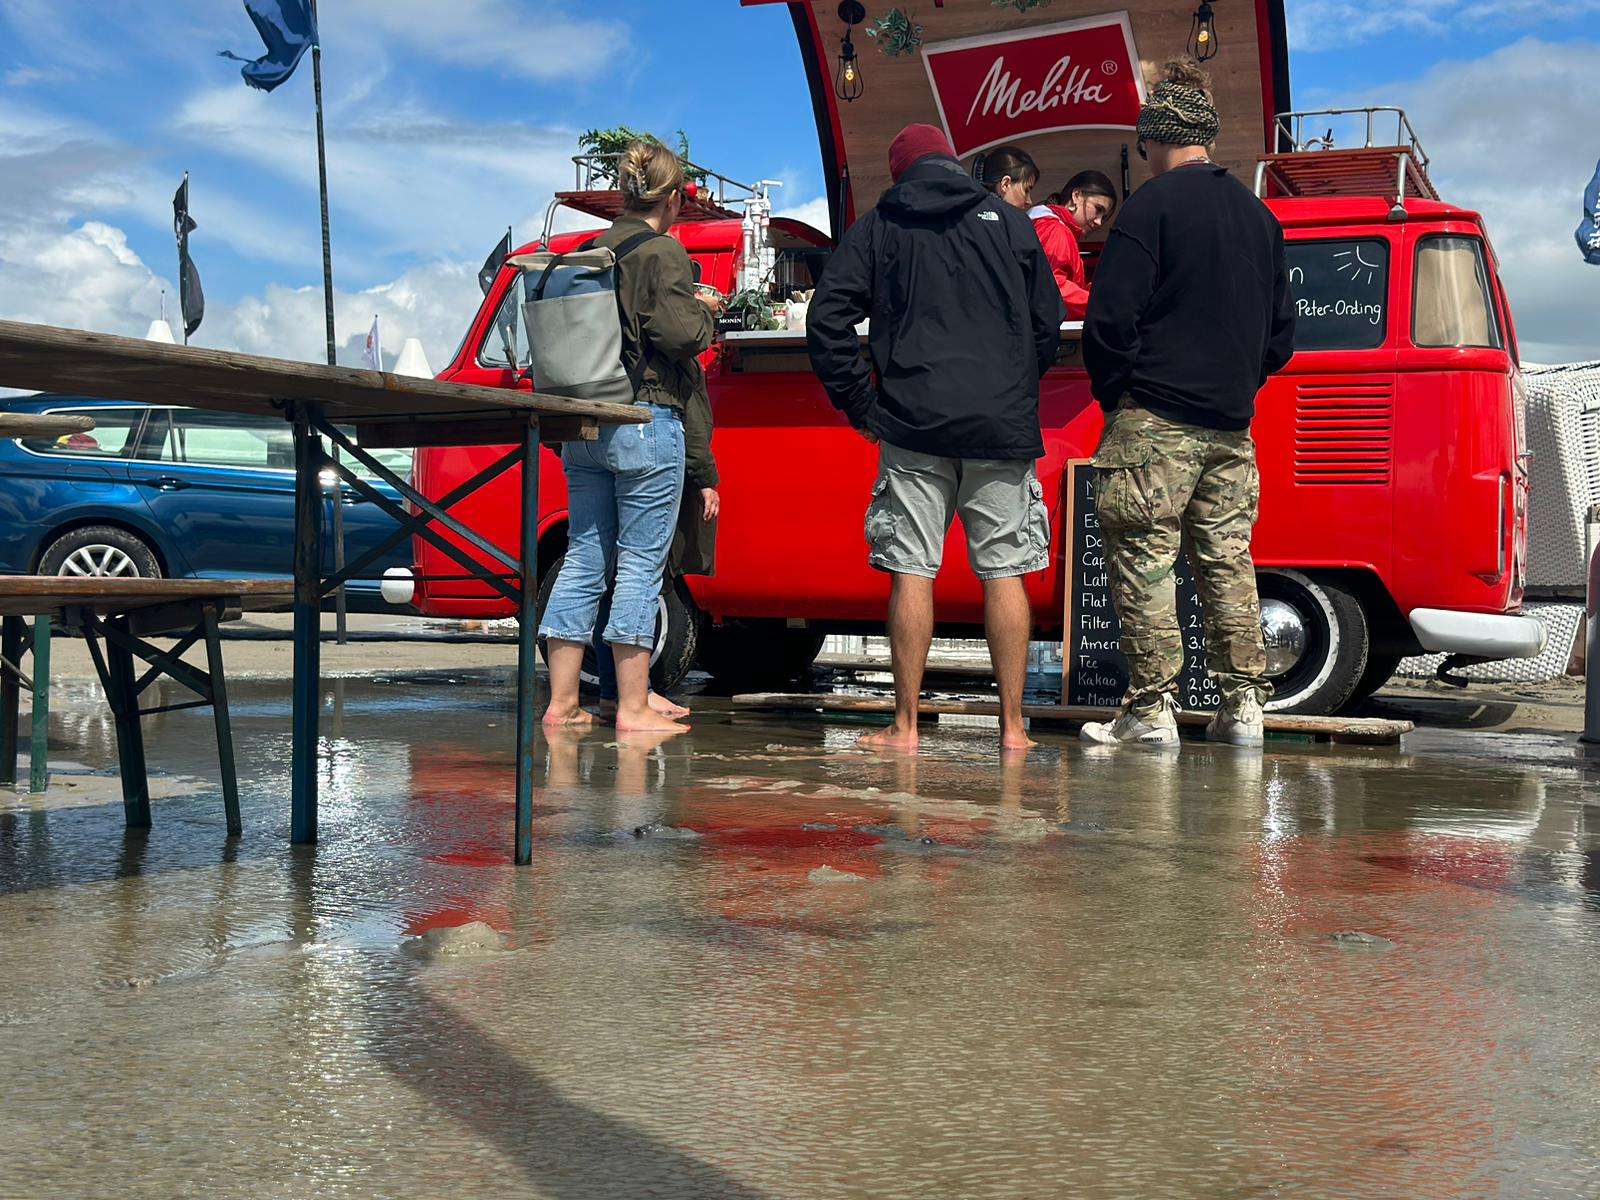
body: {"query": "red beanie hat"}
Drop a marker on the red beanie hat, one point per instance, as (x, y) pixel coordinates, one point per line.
(914, 142)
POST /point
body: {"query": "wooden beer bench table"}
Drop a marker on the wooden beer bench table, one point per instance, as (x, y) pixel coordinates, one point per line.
(384, 411)
(116, 617)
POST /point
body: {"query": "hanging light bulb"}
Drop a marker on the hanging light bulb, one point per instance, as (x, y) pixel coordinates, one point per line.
(1203, 40)
(848, 84)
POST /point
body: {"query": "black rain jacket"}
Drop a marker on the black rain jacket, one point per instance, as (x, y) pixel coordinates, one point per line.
(965, 319)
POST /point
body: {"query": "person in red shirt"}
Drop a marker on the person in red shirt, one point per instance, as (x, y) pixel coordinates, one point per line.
(1078, 209)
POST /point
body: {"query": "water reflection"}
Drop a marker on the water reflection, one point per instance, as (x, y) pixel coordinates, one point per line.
(755, 962)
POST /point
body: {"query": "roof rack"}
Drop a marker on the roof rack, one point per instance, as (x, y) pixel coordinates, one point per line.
(1319, 166)
(596, 193)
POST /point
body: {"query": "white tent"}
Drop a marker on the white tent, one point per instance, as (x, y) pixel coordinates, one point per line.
(413, 361)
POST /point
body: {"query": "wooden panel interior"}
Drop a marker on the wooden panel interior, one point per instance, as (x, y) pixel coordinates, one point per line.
(897, 92)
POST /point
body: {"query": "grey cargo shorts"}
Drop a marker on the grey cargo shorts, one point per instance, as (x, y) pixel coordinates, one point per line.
(916, 496)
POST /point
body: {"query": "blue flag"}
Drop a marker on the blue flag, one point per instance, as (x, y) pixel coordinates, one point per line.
(288, 29)
(1589, 231)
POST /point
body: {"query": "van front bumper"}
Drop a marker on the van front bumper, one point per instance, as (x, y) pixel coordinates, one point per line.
(1479, 635)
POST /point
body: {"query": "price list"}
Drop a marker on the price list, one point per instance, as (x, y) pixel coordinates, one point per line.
(1095, 671)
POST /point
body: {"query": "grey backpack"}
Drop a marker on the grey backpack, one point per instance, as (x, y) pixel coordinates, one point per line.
(573, 313)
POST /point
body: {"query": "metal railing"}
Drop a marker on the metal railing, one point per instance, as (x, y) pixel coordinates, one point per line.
(1289, 131)
(598, 172)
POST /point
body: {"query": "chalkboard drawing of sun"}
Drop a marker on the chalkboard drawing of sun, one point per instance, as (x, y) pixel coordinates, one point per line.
(1352, 263)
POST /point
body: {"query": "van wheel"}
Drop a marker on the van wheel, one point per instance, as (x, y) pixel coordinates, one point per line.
(758, 656)
(677, 633)
(1380, 669)
(100, 551)
(1318, 642)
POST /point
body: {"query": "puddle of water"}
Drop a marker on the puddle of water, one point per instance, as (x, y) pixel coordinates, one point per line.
(751, 962)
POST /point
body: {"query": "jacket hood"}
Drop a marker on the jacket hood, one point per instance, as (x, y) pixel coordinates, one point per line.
(934, 187)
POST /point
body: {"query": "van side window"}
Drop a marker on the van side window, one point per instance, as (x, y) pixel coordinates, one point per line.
(1341, 293)
(1452, 305)
(110, 437)
(506, 342)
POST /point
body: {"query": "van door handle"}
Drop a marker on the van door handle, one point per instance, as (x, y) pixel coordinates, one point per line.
(167, 483)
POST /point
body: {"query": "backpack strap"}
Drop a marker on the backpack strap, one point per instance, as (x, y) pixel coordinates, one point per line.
(647, 351)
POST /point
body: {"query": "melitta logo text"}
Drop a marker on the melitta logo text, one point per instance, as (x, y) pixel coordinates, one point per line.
(998, 87)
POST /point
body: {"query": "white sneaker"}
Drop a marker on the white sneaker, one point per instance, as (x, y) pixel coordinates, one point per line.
(1245, 726)
(1159, 729)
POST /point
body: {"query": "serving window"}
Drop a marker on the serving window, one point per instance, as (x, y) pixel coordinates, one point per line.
(1341, 293)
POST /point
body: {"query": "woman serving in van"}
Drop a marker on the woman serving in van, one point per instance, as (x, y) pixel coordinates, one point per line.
(624, 488)
(1077, 210)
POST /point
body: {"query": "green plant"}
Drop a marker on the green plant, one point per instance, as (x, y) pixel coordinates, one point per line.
(607, 145)
(895, 33)
(1021, 6)
(753, 309)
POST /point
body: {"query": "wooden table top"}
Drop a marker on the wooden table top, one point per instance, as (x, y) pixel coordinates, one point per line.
(80, 363)
(19, 425)
(31, 595)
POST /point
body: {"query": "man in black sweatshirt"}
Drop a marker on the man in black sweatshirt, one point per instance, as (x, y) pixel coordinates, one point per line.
(965, 318)
(1189, 313)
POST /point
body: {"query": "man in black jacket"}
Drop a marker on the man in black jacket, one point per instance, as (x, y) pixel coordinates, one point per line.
(965, 318)
(1189, 314)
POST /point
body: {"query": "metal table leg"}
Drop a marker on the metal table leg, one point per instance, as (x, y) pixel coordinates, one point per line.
(12, 630)
(224, 723)
(124, 698)
(527, 642)
(307, 626)
(39, 742)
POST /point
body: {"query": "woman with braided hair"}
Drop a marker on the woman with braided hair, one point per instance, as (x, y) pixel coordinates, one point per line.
(1189, 314)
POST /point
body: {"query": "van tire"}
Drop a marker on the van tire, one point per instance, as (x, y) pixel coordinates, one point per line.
(79, 552)
(1380, 669)
(677, 636)
(1338, 644)
(758, 655)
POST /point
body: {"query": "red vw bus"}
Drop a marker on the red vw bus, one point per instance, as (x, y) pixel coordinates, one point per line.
(1393, 459)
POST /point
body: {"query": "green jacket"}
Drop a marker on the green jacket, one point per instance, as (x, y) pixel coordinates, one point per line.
(655, 286)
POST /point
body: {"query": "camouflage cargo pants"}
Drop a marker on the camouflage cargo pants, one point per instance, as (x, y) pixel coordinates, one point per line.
(1160, 482)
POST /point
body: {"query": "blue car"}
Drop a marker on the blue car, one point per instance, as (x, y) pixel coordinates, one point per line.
(159, 491)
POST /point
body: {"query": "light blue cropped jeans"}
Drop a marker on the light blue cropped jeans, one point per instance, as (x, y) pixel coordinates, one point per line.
(623, 492)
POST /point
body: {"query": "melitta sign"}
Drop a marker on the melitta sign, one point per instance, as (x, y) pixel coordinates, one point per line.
(998, 87)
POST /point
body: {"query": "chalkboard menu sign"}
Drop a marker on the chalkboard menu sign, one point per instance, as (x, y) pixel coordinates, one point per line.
(1094, 671)
(1341, 293)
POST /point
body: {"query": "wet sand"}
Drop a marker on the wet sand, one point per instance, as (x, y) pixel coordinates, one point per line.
(754, 962)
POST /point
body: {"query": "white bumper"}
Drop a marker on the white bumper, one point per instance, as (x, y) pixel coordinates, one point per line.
(1481, 635)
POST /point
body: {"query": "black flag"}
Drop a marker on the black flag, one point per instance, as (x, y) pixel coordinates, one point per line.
(191, 298)
(491, 265)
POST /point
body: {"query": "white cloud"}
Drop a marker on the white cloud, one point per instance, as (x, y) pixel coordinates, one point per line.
(539, 41)
(1335, 24)
(812, 212)
(1511, 136)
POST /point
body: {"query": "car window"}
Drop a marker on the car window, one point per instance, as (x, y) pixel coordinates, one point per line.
(398, 461)
(1452, 305)
(506, 342)
(1341, 293)
(110, 437)
(216, 439)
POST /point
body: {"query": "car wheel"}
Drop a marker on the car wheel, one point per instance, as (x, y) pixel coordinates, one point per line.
(1317, 639)
(758, 656)
(100, 551)
(677, 633)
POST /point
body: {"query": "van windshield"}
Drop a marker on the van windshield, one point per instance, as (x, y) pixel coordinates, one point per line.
(1341, 293)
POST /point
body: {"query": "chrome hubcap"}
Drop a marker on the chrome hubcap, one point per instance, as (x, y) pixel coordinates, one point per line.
(1283, 630)
(99, 560)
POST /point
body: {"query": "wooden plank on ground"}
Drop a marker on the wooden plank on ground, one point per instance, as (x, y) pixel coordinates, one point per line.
(1367, 731)
(29, 595)
(81, 363)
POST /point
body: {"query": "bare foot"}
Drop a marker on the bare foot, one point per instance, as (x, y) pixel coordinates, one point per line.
(571, 718)
(646, 720)
(892, 738)
(1016, 739)
(663, 707)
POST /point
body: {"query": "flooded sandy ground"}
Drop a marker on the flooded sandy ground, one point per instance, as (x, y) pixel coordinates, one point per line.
(752, 962)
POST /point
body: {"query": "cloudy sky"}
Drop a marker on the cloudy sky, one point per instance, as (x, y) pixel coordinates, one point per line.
(449, 121)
